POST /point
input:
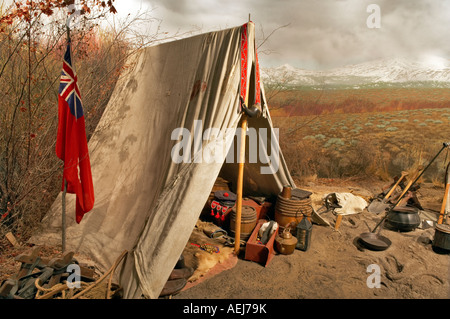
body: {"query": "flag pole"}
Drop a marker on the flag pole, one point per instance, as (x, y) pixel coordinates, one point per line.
(63, 213)
(63, 221)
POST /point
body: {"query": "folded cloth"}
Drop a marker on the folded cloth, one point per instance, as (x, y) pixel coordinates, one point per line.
(348, 204)
(266, 230)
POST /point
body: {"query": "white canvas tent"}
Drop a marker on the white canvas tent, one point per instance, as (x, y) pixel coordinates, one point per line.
(145, 202)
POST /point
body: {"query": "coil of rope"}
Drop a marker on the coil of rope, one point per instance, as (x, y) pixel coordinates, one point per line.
(47, 293)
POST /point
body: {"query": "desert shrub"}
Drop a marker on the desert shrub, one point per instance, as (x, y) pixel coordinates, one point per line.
(399, 121)
(320, 136)
(392, 129)
(336, 141)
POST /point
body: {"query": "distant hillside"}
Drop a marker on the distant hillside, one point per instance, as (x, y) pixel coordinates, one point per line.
(430, 71)
(310, 101)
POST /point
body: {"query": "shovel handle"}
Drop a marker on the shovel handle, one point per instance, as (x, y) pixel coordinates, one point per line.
(407, 188)
(395, 186)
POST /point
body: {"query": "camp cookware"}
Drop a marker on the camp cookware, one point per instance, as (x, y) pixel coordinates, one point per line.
(442, 237)
(404, 218)
(285, 242)
(377, 206)
(375, 241)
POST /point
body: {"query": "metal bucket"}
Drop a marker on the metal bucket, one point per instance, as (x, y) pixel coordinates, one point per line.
(442, 237)
(248, 221)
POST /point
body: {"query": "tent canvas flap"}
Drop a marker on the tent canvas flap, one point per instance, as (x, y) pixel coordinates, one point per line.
(146, 201)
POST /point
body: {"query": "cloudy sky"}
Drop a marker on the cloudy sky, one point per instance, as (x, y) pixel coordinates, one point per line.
(320, 34)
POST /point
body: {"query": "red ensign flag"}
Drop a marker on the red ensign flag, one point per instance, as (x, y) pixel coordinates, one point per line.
(71, 141)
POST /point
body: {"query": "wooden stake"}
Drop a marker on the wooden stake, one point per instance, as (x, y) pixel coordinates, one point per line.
(240, 182)
(12, 239)
(338, 222)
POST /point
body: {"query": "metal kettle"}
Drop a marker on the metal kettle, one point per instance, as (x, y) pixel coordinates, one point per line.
(285, 242)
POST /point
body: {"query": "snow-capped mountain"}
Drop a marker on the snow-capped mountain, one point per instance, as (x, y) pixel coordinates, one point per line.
(429, 70)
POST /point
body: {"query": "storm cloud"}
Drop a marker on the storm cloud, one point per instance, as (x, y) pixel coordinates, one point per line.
(319, 34)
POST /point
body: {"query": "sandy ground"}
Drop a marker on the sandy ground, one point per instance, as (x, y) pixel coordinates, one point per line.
(336, 266)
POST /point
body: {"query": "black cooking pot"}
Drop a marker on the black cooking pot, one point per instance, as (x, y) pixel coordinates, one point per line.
(404, 218)
(442, 237)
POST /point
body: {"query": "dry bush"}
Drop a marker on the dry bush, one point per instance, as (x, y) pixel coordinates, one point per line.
(31, 54)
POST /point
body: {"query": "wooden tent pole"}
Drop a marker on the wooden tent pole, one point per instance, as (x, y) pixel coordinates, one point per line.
(240, 182)
(444, 204)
